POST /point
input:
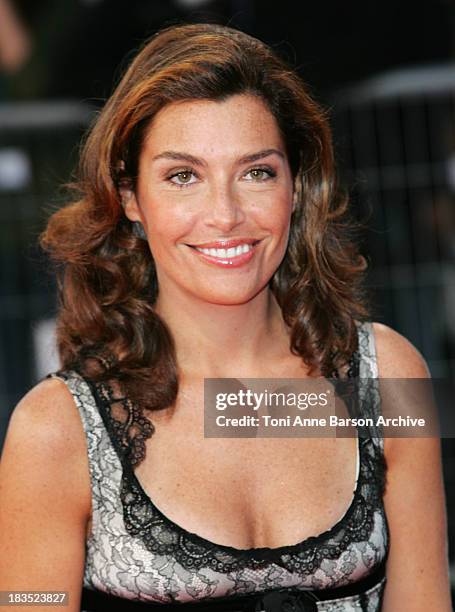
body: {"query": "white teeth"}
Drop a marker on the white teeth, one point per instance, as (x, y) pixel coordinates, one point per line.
(227, 253)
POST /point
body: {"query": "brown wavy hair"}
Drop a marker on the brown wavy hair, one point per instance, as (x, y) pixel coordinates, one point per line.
(107, 326)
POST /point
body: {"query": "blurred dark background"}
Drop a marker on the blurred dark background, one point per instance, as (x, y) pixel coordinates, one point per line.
(384, 69)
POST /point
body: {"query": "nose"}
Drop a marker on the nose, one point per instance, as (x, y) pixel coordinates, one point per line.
(225, 210)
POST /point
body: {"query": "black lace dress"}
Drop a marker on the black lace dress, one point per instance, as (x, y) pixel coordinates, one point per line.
(136, 554)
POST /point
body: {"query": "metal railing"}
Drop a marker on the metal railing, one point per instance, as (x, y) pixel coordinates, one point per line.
(396, 141)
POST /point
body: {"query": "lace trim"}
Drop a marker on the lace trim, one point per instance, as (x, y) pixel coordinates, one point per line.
(126, 423)
(129, 429)
(164, 537)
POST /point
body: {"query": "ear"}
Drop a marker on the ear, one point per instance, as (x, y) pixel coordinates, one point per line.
(130, 205)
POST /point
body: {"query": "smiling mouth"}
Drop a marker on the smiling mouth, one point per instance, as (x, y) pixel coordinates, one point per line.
(228, 250)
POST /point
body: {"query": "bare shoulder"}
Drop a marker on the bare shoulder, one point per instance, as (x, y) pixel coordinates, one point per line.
(45, 494)
(46, 432)
(397, 357)
(48, 412)
(414, 496)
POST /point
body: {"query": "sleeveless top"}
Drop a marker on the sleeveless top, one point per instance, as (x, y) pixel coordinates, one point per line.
(136, 553)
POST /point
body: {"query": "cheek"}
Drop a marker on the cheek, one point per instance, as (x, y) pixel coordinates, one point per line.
(167, 222)
(277, 216)
(280, 223)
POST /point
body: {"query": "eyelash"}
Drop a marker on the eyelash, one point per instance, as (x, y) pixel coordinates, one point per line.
(269, 171)
(175, 174)
(266, 169)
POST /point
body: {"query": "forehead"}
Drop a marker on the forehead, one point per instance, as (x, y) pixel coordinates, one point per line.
(238, 123)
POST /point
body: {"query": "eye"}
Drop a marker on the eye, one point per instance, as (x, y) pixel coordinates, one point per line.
(260, 174)
(182, 178)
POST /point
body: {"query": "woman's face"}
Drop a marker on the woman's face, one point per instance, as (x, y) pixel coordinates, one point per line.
(214, 194)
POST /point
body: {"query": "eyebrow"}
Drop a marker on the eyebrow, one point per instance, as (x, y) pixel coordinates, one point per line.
(252, 157)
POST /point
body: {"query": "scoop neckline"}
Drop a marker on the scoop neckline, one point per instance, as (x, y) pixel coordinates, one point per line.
(258, 554)
(203, 542)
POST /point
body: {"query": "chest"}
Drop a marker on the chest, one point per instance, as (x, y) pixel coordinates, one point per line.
(245, 492)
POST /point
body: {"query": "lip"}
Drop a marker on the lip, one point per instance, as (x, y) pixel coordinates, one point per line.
(224, 244)
(227, 262)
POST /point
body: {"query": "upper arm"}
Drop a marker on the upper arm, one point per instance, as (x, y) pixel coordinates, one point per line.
(44, 496)
(417, 566)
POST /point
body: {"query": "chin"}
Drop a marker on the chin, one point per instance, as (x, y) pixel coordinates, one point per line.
(233, 298)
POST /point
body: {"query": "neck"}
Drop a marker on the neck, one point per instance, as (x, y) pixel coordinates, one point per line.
(215, 340)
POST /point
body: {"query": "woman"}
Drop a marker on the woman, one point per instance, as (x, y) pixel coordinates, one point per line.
(209, 242)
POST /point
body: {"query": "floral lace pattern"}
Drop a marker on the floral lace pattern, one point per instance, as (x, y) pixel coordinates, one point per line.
(136, 552)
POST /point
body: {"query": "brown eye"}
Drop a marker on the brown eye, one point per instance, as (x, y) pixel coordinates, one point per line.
(259, 174)
(183, 177)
